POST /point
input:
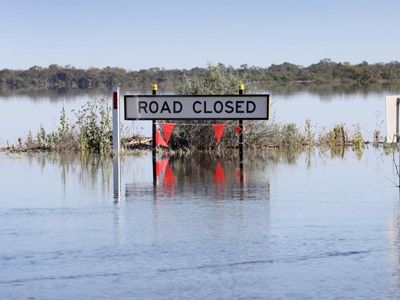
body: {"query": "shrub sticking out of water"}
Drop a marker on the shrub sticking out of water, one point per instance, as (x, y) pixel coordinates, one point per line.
(358, 141)
(91, 132)
(30, 143)
(291, 137)
(94, 127)
(41, 137)
(309, 135)
(336, 137)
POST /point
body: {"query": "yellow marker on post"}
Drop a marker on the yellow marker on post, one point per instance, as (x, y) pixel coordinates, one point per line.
(154, 88)
(241, 88)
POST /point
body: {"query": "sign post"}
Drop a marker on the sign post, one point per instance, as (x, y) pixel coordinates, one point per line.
(116, 145)
(241, 90)
(154, 142)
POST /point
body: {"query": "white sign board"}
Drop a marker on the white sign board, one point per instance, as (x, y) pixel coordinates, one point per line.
(172, 107)
(391, 118)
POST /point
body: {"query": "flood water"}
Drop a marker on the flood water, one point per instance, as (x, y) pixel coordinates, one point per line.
(291, 226)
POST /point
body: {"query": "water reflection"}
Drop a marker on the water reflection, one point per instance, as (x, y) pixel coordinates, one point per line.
(53, 95)
(207, 175)
(210, 175)
(321, 90)
(91, 170)
(66, 94)
(326, 91)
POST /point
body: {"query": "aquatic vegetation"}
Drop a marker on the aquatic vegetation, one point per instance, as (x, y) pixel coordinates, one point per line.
(91, 132)
(291, 136)
(94, 126)
(309, 135)
(335, 137)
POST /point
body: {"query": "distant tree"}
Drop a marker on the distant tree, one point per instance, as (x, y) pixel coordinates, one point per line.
(324, 72)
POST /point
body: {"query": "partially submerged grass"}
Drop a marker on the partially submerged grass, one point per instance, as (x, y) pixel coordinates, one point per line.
(90, 132)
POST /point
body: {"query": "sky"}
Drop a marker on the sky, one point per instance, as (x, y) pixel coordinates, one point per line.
(184, 34)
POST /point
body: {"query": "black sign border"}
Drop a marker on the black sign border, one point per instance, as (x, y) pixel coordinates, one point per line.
(196, 96)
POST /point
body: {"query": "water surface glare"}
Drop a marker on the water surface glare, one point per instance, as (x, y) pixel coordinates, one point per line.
(292, 226)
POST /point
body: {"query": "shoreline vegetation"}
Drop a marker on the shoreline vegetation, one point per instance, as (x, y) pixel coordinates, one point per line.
(324, 73)
(92, 128)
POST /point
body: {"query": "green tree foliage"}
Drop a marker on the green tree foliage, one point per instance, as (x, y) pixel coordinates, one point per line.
(56, 77)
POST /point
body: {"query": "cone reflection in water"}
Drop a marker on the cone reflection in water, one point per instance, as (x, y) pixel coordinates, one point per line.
(160, 166)
(169, 177)
(219, 174)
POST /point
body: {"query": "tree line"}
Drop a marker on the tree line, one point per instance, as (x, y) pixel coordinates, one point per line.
(325, 71)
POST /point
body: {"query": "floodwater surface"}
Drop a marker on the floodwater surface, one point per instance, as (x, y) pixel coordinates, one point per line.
(290, 226)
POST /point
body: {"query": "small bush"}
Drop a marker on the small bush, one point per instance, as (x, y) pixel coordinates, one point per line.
(291, 136)
(336, 137)
(91, 132)
(94, 127)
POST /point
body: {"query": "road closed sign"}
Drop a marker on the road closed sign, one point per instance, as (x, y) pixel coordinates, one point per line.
(172, 107)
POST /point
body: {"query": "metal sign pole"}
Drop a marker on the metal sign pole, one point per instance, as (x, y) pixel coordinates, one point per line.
(241, 90)
(154, 144)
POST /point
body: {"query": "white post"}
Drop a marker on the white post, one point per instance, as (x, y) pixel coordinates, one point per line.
(117, 177)
(116, 146)
(115, 133)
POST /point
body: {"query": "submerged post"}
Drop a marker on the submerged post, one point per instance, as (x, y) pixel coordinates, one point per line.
(116, 145)
(154, 144)
(117, 177)
(241, 90)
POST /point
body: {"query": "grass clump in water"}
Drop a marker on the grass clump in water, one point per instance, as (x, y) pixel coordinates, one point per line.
(91, 132)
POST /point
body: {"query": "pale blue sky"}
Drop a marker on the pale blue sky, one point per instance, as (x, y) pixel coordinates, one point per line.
(185, 34)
